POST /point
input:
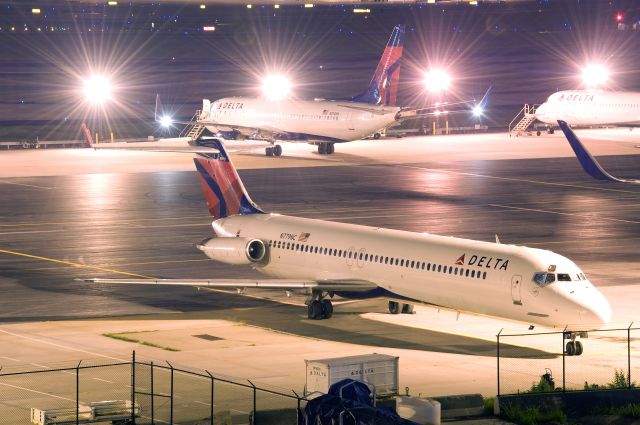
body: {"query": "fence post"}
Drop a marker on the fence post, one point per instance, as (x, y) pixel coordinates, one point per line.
(171, 396)
(298, 413)
(563, 362)
(78, 393)
(255, 418)
(498, 358)
(212, 388)
(153, 409)
(133, 387)
(629, 354)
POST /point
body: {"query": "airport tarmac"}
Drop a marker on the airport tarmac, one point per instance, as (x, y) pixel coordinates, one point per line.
(80, 213)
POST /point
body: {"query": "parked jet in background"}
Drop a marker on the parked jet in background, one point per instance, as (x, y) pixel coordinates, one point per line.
(321, 122)
(591, 107)
(324, 259)
(588, 162)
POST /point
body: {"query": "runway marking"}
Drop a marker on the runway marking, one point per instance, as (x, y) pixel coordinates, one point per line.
(43, 341)
(10, 358)
(605, 189)
(103, 380)
(27, 185)
(72, 264)
(565, 213)
(37, 392)
(136, 264)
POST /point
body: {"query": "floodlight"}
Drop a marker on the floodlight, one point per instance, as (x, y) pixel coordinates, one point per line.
(437, 80)
(276, 87)
(595, 75)
(97, 89)
(166, 121)
(477, 110)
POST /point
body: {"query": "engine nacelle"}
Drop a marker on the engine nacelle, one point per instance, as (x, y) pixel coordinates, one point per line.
(232, 250)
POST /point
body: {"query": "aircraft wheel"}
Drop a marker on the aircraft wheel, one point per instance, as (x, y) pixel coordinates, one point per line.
(330, 148)
(314, 310)
(277, 150)
(268, 151)
(394, 307)
(538, 133)
(322, 148)
(407, 309)
(376, 136)
(579, 348)
(571, 348)
(327, 309)
(551, 131)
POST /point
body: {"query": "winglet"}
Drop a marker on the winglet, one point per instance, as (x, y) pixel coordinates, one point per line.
(588, 162)
(87, 135)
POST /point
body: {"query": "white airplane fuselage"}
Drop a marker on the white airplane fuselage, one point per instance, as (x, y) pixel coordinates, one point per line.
(465, 275)
(338, 121)
(591, 107)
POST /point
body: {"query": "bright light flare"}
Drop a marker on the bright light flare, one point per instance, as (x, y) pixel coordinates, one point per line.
(166, 121)
(437, 80)
(477, 111)
(276, 87)
(595, 75)
(97, 89)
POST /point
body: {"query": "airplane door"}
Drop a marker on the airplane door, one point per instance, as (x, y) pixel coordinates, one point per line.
(350, 122)
(516, 284)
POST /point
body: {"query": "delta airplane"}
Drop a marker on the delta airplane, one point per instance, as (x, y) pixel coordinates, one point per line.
(591, 107)
(322, 259)
(319, 122)
(588, 162)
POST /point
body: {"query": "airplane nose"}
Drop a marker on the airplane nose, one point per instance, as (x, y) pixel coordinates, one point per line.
(598, 311)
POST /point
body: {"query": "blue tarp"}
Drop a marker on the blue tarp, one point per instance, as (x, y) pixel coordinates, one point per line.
(354, 408)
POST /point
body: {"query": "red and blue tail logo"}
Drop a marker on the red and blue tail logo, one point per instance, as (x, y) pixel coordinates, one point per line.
(223, 190)
(383, 87)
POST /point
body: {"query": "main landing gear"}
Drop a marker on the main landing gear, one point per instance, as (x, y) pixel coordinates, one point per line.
(273, 150)
(573, 347)
(325, 148)
(318, 307)
(397, 308)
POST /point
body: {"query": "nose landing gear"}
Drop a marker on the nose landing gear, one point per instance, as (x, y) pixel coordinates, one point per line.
(573, 347)
(397, 308)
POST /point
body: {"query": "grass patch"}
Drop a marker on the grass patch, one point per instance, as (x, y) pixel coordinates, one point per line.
(631, 410)
(123, 337)
(531, 415)
(488, 405)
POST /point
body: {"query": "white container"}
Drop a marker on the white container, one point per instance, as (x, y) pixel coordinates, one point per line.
(380, 371)
(421, 410)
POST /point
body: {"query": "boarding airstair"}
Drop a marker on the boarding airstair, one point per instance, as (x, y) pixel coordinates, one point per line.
(195, 128)
(522, 120)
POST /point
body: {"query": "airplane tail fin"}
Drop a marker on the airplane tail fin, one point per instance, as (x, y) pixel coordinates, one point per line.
(87, 135)
(383, 87)
(221, 185)
(588, 162)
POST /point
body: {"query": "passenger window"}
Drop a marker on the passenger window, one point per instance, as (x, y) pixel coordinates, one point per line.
(325, 251)
(350, 254)
(484, 275)
(386, 260)
(450, 269)
(466, 273)
(360, 256)
(297, 247)
(428, 266)
(473, 273)
(455, 271)
(583, 276)
(439, 268)
(397, 261)
(402, 262)
(376, 260)
(288, 244)
(413, 264)
(423, 266)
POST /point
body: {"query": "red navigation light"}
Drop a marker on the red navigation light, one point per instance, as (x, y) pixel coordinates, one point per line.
(619, 17)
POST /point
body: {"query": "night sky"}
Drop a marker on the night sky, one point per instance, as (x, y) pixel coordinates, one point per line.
(525, 50)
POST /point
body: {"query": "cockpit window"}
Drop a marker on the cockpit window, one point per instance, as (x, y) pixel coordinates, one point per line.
(544, 279)
(564, 277)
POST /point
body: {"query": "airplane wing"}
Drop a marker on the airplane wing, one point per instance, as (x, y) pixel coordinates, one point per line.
(588, 162)
(286, 284)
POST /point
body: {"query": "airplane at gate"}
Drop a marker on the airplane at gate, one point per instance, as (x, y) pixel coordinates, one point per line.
(320, 122)
(324, 259)
(591, 107)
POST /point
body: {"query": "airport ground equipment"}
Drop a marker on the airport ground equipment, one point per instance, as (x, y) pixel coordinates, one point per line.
(194, 128)
(380, 371)
(118, 412)
(421, 410)
(523, 120)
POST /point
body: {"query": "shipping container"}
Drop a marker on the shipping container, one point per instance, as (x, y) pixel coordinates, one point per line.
(380, 371)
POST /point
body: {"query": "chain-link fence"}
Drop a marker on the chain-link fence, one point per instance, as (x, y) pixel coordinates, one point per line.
(568, 361)
(139, 392)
